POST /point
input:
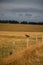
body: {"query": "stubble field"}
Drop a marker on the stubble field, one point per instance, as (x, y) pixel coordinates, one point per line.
(17, 49)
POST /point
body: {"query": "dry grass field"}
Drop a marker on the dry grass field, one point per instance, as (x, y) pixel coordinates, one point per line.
(13, 44)
(21, 27)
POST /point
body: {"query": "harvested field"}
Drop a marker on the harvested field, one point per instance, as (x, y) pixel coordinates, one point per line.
(18, 49)
(21, 27)
(14, 51)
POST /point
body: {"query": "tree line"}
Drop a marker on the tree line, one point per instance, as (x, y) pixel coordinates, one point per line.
(23, 22)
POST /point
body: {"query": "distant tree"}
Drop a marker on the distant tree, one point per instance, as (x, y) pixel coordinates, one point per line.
(13, 22)
(36, 23)
(40, 23)
(24, 22)
(3, 21)
(32, 23)
(9, 21)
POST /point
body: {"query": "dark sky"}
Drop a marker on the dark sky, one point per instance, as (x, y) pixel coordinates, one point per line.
(28, 10)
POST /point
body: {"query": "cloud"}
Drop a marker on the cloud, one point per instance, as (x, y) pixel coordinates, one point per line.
(27, 10)
(30, 10)
(33, 10)
(22, 16)
(35, 2)
(22, 1)
(29, 15)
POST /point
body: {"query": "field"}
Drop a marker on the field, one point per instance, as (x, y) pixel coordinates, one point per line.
(21, 27)
(17, 49)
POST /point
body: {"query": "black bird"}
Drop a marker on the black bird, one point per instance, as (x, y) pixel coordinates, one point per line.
(27, 35)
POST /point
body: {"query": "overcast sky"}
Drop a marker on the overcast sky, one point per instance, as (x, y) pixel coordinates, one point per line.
(21, 10)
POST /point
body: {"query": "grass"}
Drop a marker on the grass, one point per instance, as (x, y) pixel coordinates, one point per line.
(12, 36)
(13, 44)
(31, 56)
(20, 45)
(21, 27)
(5, 49)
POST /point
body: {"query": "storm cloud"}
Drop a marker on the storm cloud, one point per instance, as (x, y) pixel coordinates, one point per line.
(28, 10)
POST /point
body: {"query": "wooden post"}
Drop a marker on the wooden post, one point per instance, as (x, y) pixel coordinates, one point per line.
(27, 39)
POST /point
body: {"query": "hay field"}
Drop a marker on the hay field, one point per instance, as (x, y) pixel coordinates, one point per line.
(14, 51)
(13, 44)
(21, 27)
